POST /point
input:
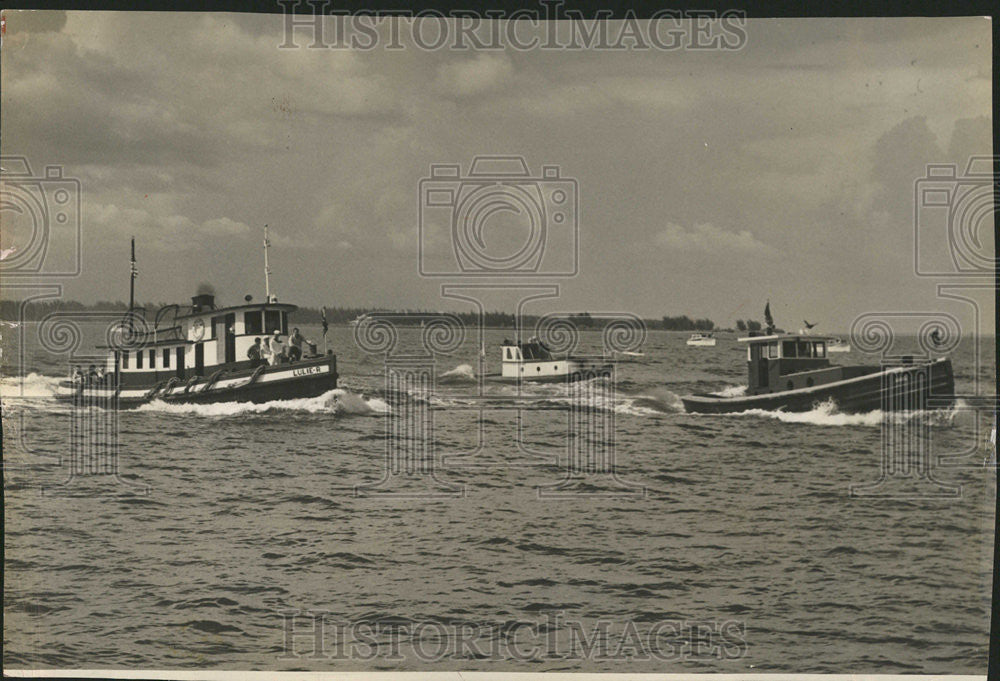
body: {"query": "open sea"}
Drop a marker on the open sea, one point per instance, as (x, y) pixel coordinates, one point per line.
(290, 536)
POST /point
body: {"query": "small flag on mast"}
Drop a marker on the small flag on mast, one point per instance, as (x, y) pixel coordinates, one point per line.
(326, 327)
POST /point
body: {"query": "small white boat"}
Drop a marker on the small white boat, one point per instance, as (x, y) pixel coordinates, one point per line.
(532, 361)
(702, 339)
(837, 345)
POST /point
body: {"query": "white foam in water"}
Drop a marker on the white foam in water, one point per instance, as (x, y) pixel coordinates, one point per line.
(731, 391)
(658, 401)
(336, 401)
(462, 372)
(34, 386)
(826, 414)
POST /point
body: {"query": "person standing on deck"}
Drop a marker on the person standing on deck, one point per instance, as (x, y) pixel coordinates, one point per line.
(295, 342)
(255, 354)
(277, 349)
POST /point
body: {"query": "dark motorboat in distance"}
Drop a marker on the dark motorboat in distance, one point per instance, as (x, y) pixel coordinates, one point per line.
(201, 356)
(791, 372)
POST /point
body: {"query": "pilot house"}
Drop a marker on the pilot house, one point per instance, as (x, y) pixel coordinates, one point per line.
(789, 362)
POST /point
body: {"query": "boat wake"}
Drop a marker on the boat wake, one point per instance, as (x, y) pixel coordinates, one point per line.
(659, 401)
(731, 391)
(339, 402)
(590, 395)
(460, 375)
(38, 391)
(827, 414)
(31, 387)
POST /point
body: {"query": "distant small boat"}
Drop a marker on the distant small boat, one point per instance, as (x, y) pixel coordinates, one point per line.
(702, 339)
(791, 372)
(837, 345)
(533, 361)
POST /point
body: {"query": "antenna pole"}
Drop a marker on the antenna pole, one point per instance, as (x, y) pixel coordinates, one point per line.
(131, 287)
(267, 269)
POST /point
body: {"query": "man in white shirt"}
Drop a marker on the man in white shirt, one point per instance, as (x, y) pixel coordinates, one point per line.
(277, 349)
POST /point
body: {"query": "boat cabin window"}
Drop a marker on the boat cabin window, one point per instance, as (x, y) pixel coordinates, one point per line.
(166, 358)
(275, 320)
(138, 359)
(152, 359)
(819, 349)
(252, 323)
(805, 349)
(509, 356)
(788, 349)
(772, 350)
(125, 359)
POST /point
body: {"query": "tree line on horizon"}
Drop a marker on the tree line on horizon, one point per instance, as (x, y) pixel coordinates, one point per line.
(36, 310)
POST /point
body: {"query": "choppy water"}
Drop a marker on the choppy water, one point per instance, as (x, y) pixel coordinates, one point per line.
(746, 529)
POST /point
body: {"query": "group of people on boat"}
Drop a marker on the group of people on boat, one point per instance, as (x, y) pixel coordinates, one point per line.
(92, 376)
(272, 350)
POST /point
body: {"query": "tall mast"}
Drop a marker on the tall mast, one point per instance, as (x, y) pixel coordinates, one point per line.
(267, 269)
(131, 286)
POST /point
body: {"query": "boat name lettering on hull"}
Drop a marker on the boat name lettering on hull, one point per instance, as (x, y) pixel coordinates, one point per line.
(307, 371)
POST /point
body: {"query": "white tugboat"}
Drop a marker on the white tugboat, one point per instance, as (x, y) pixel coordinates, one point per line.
(702, 339)
(532, 361)
(202, 354)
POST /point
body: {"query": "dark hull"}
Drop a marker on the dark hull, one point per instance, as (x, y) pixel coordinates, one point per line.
(922, 386)
(264, 392)
(308, 378)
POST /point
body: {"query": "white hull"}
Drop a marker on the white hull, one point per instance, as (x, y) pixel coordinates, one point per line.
(705, 343)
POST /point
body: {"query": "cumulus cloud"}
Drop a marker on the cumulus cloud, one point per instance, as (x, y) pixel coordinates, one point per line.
(707, 238)
(158, 231)
(195, 129)
(474, 76)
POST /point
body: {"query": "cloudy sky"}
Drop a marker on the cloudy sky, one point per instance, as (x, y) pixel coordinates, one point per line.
(709, 180)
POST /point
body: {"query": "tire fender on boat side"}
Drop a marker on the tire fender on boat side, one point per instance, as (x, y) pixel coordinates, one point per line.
(213, 380)
(256, 374)
(154, 390)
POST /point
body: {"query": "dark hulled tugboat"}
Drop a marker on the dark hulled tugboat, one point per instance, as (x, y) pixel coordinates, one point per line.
(203, 354)
(791, 372)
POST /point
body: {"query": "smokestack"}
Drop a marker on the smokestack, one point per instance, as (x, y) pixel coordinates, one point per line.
(205, 298)
(202, 302)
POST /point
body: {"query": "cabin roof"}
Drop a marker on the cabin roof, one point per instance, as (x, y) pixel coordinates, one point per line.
(784, 336)
(521, 344)
(149, 345)
(214, 312)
